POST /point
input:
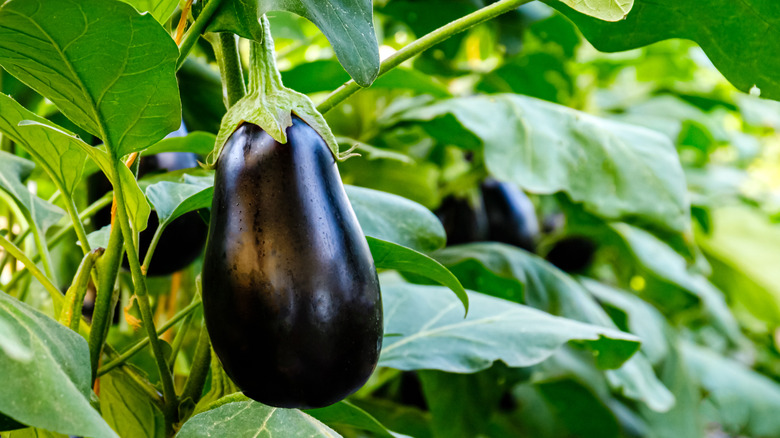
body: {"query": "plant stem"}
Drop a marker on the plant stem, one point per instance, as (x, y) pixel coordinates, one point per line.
(18, 240)
(139, 284)
(423, 44)
(127, 354)
(152, 246)
(78, 226)
(74, 298)
(201, 361)
(57, 238)
(226, 51)
(196, 29)
(108, 268)
(40, 243)
(178, 340)
(19, 255)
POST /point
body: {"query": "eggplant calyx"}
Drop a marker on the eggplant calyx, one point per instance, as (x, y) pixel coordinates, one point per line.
(269, 104)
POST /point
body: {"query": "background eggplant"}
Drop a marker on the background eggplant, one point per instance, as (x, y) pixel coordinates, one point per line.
(511, 215)
(290, 291)
(463, 221)
(183, 240)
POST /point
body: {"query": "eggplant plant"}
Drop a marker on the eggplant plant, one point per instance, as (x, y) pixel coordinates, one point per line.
(424, 218)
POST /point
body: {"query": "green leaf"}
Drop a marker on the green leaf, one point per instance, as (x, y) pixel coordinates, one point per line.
(200, 143)
(743, 48)
(506, 271)
(345, 414)
(11, 344)
(683, 420)
(13, 170)
(637, 317)
(161, 10)
(668, 268)
(52, 390)
(348, 25)
(330, 75)
(171, 199)
(35, 433)
(615, 170)
(462, 404)
(434, 334)
(129, 410)
(403, 418)
(608, 10)
(388, 255)
(396, 219)
(579, 410)
(743, 401)
(256, 420)
(60, 157)
(742, 250)
(107, 68)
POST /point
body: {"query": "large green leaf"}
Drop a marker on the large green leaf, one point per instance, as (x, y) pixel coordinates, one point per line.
(462, 404)
(11, 344)
(51, 389)
(673, 280)
(683, 420)
(396, 219)
(432, 333)
(345, 414)
(389, 255)
(62, 159)
(634, 315)
(615, 170)
(13, 170)
(743, 401)
(506, 271)
(348, 25)
(161, 10)
(744, 249)
(740, 37)
(128, 409)
(107, 68)
(330, 75)
(252, 419)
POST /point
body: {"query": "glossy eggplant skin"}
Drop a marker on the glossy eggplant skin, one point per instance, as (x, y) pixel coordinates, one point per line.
(511, 215)
(290, 291)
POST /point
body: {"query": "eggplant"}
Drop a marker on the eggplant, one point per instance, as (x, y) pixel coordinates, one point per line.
(463, 220)
(572, 254)
(290, 292)
(183, 240)
(511, 215)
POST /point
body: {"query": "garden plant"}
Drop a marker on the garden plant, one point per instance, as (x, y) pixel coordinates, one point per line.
(398, 218)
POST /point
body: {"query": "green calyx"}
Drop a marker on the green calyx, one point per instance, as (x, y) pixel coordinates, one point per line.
(269, 104)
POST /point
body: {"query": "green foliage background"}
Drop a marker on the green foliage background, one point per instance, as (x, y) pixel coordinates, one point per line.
(653, 136)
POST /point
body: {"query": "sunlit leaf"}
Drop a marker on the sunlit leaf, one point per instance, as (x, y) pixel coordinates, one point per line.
(50, 390)
(107, 68)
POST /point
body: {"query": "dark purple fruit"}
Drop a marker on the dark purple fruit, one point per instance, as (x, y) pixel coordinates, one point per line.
(462, 221)
(511, 215)
(290, 292)
(183, 239)
(572, 254)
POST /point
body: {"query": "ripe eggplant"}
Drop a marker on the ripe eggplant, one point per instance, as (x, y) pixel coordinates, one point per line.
(511, 215)
(290, 291)
(183, 240)
(573, 254)
(462, 221)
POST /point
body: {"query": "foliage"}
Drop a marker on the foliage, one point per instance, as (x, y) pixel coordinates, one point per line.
(636, 125)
